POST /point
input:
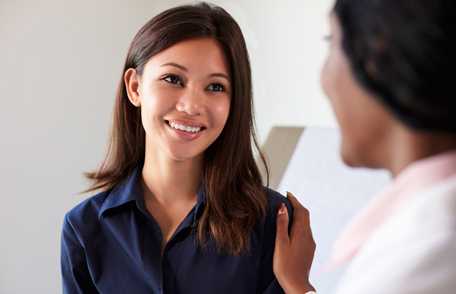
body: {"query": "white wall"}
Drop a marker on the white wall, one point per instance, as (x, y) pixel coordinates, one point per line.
(60, 61)
(333, 193)
(285, 41)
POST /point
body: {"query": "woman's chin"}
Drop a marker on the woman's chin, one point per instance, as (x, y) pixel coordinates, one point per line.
(184, 155)
(349, 157)
(353, 158)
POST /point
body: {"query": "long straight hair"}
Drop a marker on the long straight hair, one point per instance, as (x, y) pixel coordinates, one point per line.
(235, 197)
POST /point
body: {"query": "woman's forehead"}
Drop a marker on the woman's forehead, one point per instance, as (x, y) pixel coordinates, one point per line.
(202, 54)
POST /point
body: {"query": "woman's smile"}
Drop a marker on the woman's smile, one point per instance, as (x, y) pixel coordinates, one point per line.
(185, 130)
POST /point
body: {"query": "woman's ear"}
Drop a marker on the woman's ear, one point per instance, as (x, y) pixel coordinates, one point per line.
(132, 81)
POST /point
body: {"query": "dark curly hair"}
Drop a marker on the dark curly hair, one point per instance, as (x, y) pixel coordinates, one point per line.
(403, 51)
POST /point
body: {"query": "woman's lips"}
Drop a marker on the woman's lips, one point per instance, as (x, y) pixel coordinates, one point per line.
(188, 123)
(185, 132)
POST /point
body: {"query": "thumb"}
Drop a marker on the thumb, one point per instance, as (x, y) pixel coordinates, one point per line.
(282, 238)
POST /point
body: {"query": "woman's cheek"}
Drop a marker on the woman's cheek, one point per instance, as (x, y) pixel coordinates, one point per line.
(224, 110)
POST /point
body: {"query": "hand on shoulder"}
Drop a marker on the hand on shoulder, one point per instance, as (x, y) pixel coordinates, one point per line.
(294, 252)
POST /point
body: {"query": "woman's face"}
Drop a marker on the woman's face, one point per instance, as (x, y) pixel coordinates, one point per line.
(184, 94)
(364, 123)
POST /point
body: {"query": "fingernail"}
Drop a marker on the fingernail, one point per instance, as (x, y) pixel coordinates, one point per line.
(282, 209)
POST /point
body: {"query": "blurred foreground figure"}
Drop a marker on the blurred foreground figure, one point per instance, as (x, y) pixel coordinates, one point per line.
(389, 78)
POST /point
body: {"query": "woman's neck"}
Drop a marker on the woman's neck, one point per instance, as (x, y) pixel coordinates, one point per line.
(412, 146)
(168, 180)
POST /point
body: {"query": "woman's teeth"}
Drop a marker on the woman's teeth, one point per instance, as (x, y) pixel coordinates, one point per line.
(184, 127)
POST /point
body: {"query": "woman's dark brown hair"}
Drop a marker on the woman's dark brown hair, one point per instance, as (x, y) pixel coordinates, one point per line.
(235, 197)
(403, 51)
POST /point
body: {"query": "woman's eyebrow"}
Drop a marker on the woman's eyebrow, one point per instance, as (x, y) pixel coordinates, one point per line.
(175, 65)
(217, 74)
(220, 75)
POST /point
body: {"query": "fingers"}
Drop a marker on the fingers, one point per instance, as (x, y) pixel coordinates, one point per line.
(282, 227)
(297, 206)
(301, 219)
(301, 214)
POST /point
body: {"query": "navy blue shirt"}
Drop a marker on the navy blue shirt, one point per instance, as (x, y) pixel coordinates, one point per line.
(111, 244)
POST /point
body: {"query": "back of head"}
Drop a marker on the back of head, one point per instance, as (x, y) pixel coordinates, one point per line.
(404, 53)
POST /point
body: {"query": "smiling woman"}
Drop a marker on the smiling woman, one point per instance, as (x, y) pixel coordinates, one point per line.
(184, 102)
(182, 208)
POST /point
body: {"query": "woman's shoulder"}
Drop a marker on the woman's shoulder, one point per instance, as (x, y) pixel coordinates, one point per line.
(86, 212)
(266, 231)
(275, 199)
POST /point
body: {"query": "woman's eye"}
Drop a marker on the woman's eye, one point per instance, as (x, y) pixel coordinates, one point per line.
(173, 79)
(216, 88)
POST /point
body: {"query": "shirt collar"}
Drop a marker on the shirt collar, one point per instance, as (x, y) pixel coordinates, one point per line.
(200, 203)
(129, 190)
(417, 177)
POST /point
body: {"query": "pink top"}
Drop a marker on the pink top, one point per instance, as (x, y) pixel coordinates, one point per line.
(416, 177)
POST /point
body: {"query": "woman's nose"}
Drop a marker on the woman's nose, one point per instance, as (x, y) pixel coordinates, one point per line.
(191, 102)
